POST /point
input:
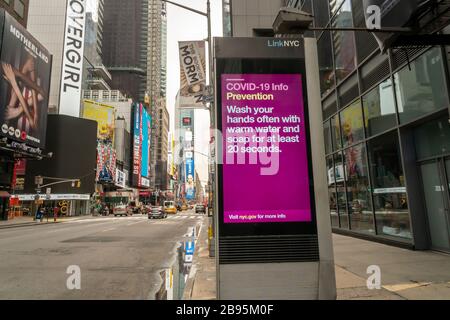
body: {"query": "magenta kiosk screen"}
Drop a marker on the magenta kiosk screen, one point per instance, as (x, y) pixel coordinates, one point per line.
(265, 172)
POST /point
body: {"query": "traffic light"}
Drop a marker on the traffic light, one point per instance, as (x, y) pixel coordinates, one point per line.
(78, 184)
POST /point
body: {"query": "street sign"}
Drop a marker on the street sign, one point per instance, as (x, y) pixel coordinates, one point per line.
(189, 247)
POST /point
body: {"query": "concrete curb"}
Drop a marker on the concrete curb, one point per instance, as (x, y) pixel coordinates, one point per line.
(201, 282)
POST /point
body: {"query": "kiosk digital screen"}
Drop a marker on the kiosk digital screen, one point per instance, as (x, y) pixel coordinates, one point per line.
(266, 174)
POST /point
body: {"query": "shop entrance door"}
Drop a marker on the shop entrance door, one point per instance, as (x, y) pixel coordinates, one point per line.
(436, 184)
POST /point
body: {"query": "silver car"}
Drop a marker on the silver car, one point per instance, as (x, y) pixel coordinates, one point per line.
(157, 213)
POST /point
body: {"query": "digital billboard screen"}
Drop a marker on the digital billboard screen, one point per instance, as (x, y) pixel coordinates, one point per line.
(190, 179)
(25, 68)
(266, 176)
(142, 123)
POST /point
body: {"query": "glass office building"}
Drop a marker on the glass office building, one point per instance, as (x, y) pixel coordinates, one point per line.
(387, 132)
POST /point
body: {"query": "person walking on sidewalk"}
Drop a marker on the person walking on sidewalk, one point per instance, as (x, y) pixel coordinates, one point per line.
(39, 214)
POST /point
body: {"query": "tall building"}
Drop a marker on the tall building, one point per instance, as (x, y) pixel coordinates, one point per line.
(386, 125)
(134, 51)
(17, 8)
(46, 21)
(184, 138)
(124, 49)
(162, 151)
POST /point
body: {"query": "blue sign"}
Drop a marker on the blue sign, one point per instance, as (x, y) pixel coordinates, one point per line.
(145, 155)
(190, 179)
(189, 247)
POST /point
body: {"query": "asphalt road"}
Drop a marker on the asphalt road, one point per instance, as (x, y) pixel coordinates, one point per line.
(118, 258)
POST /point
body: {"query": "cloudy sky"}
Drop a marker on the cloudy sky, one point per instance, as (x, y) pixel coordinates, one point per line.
(184, 25)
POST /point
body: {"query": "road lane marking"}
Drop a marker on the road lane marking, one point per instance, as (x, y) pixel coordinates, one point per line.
(110, 229)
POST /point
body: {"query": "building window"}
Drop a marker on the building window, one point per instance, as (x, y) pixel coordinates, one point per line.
(19, 8)
(332, 193)
(421, 90)
(344, 41)
(327, 136)
(359, 197)
(432, 139)
(325, 52)
(379, 109)
(336, 133)
(352, 124)
(389, 191)
(339, 178)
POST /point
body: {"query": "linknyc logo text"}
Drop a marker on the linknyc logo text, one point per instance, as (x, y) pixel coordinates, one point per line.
(283, 43)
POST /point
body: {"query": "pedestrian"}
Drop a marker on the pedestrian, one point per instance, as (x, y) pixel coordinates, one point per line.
(55, 213)
(39, 213)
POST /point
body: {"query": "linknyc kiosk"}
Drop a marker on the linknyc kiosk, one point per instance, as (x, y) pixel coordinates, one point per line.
(273, 224)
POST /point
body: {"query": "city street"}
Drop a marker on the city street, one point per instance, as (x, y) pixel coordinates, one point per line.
(119, 257)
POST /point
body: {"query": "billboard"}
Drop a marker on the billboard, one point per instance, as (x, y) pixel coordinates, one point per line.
(142, 122)
(193, 74)
(190, 179)
(106, 163)
(265, 151)
(73, 53)
(24, 84)
(104, 115)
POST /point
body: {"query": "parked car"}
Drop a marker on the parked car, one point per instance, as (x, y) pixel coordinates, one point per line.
(200, 208)
(169, 207)
(121, 210)
(157, 212)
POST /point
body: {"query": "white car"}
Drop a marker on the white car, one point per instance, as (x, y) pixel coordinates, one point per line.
(120, 210)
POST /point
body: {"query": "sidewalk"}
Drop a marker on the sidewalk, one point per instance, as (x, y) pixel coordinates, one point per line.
(405, 274)
(28, 221)
(201, 284)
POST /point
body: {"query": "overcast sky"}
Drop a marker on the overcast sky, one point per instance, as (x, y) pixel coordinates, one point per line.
(183, 25)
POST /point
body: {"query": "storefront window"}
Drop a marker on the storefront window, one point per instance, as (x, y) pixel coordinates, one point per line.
(358, 189)
(352, 124)
(336, 133)
(339, 178)
(437, 131)
(327, 136)
(389, 191)
(421, 89)
(332, 193)
(344, 41)
(379, 109)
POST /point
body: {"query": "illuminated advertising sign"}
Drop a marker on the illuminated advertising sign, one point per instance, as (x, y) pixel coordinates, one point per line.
(265, 151)
(145, 153)
(141, 146)
(136, 165)
(25, 69)
(190, 179)
(106, 163)
(105, 117)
